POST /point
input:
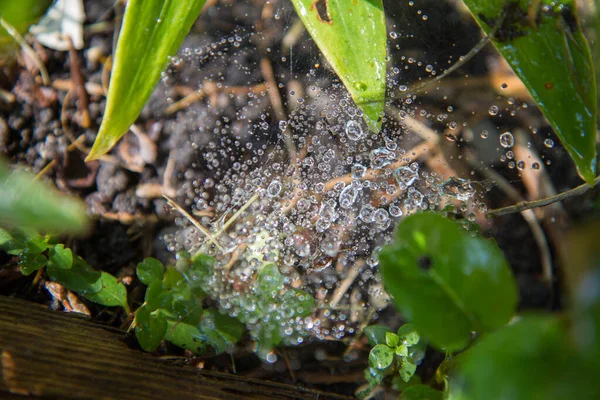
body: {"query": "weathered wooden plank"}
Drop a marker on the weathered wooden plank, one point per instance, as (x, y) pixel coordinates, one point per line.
(56, 355)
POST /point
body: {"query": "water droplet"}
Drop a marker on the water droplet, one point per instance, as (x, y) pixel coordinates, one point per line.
(395, 210)
(358, 171)
(366, 213)
(354, 130)
(549, 143)
(381, 157)
(274, 189)
(484, 134)
(283, 125)
(406, 176)
(459, 188)
(327, 215)
(348, 196)
(507, 140)
(493, 110)
(331, 245)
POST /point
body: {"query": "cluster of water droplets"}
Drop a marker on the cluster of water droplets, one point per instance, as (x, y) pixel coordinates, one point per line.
(318, 195)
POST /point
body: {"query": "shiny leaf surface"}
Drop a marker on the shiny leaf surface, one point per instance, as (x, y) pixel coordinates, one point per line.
(351, 35)
(543, 43)
(447, 282)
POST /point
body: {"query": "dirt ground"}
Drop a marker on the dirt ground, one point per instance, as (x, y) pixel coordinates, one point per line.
(122, 192)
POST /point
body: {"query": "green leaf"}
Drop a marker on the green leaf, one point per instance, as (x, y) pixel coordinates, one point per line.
(401, 350)
(376, 334)
(552, 57)
(532, 359)
(381, 356)
(407, 369)
(186, 336)
(150, 328)
(112, 292)
(5, 237)
(408, 335)
(61, 257)
(81, 278)
(31, 263)
(21, 14)
(421, 392)
(150, 270)
(26, 202)
(374, 376)
(36, 245)
(270, 281)
(17, 241)
(351, 35)
(151, 32)
(446, 281)
(391, 339)
(222, 331)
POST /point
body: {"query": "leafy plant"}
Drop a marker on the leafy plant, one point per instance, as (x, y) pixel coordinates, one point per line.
(392, 354)
(173, 311)
(536, 357)
(529, 33)
(173, 308)
(35, 251)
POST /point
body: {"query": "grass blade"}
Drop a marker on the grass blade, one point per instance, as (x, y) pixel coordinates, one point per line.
(152, 31)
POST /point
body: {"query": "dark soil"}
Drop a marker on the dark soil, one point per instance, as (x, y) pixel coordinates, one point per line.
(129, 227)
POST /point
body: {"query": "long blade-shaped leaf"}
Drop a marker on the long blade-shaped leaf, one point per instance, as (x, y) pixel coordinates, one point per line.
(152, 31)
(544, 45)
(352, 36)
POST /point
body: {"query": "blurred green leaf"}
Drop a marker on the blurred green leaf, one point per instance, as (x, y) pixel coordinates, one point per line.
(150, 270)
(150, 328)
(222, 331)
(5, 237)
(374, 376)
(532, 359)
(447, 282)
(270, 281)
(186, 336)
(80, 278)
(402, 350)
(112, 292)
(26, 202)
(21, 14)
(376, 334)
(31, 262)
(421, 392)
(381, 356)
(552, 57)
(351, 34)
(60, 257)
(151, 32)
(407, 368)
(17, 241)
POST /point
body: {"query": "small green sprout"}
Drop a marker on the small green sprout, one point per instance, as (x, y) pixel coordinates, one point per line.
(393, 354)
